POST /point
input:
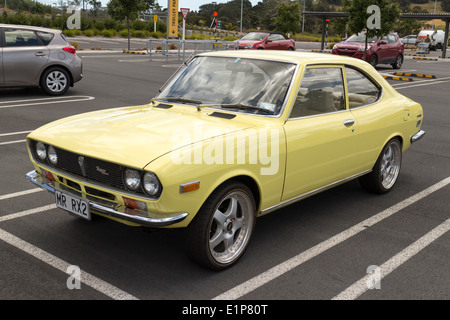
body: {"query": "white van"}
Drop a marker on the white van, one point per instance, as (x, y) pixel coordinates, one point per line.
(436, 36)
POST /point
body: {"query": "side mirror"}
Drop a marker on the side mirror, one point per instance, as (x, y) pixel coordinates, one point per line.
(268, 40)
(383, 42)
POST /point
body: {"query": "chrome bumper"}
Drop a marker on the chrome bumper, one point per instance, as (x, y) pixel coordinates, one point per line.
(419, 135)
(43, 183)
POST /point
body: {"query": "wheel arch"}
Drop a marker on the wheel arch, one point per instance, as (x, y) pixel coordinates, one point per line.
(57, 66)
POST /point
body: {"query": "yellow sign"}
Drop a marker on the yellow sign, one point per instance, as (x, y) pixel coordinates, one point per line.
(155, 17)
(172, 24)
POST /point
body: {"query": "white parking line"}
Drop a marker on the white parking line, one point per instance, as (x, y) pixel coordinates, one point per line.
(360, 286)
(47, 101)
(27, 212)
(86, 278)
(305, 256)
(20, 193)
(11, 142)
(13, 133)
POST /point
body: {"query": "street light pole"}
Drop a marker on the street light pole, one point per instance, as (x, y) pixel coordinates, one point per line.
(242, 7)
(303, 18)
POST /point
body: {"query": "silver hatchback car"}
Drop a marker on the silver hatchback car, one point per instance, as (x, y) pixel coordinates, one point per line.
(34, 56)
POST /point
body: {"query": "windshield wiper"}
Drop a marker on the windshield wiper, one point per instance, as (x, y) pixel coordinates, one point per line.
(245, 106)
(178, 99)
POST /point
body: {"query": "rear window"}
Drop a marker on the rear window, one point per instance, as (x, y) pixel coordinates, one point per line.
(46, 37)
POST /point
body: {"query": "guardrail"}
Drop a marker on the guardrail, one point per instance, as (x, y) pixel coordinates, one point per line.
(183, 49)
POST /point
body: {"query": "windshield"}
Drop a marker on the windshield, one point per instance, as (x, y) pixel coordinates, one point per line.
(255, 36)
(361, 37)
(237, 84)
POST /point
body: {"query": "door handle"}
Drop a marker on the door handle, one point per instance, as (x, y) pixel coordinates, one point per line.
(349, 122)
(40, 54)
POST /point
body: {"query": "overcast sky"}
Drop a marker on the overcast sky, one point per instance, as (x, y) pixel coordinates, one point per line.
(194, 5)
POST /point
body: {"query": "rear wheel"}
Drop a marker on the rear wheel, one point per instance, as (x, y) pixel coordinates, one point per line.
(373, 60)
(398, 62)
(221, 231)
(385, 173)
(55, 81)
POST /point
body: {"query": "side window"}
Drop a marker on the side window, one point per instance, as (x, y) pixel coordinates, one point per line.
(361, 91)
(321, 91)
(20, 38)
(391, 38)
(46, 37)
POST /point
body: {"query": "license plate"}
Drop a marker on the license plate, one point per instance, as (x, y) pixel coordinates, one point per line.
(75, 205)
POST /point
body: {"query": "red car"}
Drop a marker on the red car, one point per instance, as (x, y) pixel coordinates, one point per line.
(387, 49)
(265, 40)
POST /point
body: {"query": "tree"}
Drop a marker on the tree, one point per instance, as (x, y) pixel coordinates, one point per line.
(288, 17)
(445, 5)
(128, 9)
(358, 19)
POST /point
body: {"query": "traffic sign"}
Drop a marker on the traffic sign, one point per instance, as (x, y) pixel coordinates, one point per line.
(184, 12)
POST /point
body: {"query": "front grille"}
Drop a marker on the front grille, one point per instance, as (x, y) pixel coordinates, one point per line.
(346, 52)
(91, 168)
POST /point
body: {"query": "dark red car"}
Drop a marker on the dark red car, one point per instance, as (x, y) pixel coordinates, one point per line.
(265, 40)
(387, 49)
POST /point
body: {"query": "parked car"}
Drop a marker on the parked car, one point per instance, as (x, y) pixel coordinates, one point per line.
(264, 40)
(409, 40)
(232, 136)
(33, 56)
(436, 38)
(382, 50)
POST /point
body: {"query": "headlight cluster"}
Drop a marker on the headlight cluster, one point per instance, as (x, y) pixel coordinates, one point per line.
(135, 179)
(248, 46)
(46, 153)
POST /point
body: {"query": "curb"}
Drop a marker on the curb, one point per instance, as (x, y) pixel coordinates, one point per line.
(134, 52)
(429, 59)
(323, 51)
(398, 78)
(415, 75)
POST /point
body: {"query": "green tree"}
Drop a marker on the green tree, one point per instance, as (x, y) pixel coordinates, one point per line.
(128, 10)
(445, 5)
(288, 17)
(358, 19)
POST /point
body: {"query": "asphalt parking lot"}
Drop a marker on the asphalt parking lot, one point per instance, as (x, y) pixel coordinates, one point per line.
(329, 246)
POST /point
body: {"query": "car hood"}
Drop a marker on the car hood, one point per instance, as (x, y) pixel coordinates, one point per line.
(133, 136)
(346, 44)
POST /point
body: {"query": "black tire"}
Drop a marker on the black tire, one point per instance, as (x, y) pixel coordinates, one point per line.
(373, 60)
(219, 234)
(398, 62)
(385, 173)
(55, 81)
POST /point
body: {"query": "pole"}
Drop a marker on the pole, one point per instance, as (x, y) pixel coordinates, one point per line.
(303, 19)
(242, 8)
(184, 27)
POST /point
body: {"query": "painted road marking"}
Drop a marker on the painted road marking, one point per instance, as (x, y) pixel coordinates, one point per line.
(305, 256)
(20, 193)
(18, 103)
(360, 286)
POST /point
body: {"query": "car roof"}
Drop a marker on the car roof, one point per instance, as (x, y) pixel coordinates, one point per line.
(3, 25)
(289, 56)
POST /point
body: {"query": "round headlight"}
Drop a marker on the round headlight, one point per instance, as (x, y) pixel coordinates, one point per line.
(41, 152)
(132, 179)
(52, 156)
(151, 184)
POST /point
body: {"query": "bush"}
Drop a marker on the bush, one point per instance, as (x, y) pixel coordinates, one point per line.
(108, 33)
(89, 33)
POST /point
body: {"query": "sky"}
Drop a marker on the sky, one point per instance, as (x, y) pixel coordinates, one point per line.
(194, 5)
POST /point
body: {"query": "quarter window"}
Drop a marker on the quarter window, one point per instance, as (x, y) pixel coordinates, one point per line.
(45, 37)
(321, 91)
(20, 38)
(361, 90)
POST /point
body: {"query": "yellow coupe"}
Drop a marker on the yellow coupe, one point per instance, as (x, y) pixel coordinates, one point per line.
(230, 137)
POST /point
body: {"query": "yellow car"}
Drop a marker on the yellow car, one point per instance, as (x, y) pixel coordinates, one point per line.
(230, 137)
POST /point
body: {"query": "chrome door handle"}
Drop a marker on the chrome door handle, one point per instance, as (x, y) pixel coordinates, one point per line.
(349, 122)
(40, 54)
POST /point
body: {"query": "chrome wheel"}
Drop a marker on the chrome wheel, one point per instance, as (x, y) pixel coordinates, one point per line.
(390, 164)
(398, 62)
(221, 231)
(56, 81)
(231, 226)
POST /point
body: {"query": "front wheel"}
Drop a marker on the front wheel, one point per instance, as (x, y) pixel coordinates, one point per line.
(373, 60)
(221, 231)
(385, 173)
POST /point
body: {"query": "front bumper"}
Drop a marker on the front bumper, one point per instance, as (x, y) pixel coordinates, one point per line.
(143, 219)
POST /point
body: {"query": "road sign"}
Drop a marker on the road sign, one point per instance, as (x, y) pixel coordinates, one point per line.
(184, 12)
(155, 17)
(172, 24)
